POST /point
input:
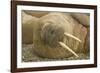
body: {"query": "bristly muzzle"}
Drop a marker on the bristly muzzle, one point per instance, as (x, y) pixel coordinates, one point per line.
(51, 34)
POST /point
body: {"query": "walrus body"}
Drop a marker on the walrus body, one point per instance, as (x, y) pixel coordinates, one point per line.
(28, 22)
(49, 31)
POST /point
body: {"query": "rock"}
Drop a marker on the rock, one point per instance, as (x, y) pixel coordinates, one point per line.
(28, 55)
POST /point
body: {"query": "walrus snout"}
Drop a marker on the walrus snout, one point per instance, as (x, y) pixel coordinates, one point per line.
(51, 34)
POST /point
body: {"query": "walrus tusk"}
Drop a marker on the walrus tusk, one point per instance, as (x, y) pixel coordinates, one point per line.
(66, 47)
(67, 34)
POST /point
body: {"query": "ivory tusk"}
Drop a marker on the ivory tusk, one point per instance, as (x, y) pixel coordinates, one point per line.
(67, 34)
(66, 47)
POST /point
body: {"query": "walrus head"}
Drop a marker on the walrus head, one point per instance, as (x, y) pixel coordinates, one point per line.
(51, 34)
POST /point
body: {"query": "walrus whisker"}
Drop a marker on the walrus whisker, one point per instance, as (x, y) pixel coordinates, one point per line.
(67, 48)
(67, 34)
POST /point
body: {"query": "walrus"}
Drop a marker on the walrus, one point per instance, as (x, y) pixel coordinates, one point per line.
(58, 35)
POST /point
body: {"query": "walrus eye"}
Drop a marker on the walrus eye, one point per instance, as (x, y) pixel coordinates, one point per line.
(52, 32)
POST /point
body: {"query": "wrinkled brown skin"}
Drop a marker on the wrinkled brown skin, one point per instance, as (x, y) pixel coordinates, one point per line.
(45, 50)
(82, 18)
(36, 13)
(27, 28)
